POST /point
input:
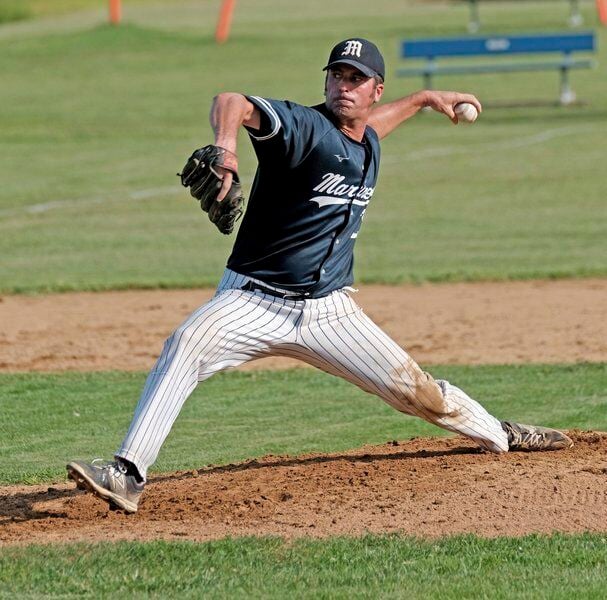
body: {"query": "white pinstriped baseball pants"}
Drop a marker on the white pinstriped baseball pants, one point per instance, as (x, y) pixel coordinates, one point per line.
(330, 333)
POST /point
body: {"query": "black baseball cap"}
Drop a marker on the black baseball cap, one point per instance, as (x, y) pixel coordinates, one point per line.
(359, 53)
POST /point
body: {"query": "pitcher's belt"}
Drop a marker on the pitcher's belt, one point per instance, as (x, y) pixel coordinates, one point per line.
(254, 286)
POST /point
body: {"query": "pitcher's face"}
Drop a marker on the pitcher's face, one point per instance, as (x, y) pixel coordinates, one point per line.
(349, 93)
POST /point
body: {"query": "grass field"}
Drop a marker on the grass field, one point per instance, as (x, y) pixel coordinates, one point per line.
(18, 10)
(50, 419)
(90, 199)
(368, 567)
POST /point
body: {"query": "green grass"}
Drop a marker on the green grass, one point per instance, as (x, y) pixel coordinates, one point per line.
(50, 419)
(13, 10)
(97, 120)
(532, 567)
(17, 10)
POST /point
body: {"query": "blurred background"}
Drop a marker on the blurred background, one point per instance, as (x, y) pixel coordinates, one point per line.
(96, 120)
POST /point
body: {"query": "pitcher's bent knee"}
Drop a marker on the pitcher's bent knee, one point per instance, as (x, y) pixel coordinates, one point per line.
(430, 394)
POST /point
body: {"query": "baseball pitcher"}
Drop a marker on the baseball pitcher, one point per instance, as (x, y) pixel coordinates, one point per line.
(286, 288)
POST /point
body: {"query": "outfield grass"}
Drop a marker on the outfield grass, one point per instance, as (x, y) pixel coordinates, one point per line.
(97, 120)
(368, 567)
(17, 10)
(50, 419)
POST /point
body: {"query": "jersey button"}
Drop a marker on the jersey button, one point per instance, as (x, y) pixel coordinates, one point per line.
(322, 271)
(337, 241)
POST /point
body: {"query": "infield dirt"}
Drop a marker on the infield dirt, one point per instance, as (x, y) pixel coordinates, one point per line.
(464, 323)
(425, 487)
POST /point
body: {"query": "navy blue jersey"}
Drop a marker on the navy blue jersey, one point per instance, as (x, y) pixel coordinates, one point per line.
(311, 190)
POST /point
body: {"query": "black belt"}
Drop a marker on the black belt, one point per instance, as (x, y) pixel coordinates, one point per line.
(253, 286)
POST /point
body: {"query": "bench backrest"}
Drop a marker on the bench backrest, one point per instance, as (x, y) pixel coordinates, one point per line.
(498, 44)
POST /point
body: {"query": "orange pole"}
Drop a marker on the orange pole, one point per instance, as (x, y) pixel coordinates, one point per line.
(222, 32)
(115, 12)
(601, 8)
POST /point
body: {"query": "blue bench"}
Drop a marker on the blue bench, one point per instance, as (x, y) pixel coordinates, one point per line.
(498, 46)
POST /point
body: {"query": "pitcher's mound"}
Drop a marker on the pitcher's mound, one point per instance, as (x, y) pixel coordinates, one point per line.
(423, 487)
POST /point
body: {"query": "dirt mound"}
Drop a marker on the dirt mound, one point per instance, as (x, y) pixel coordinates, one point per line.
(424, 487)
(462, 323)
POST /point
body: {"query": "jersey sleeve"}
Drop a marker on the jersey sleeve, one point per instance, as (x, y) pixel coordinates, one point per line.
(287, 130)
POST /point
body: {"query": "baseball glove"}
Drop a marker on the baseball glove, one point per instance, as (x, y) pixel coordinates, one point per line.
(201, 176)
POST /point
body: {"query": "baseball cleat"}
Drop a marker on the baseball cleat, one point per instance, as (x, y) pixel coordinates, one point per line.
(531, 437)
(107, 480)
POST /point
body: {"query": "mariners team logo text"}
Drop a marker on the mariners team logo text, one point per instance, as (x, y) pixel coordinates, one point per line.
(339, 192)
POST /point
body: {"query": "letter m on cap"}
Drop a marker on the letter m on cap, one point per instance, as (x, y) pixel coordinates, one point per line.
(353, 48)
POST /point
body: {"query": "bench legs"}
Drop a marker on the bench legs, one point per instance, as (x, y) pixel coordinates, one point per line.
(474, 22)
(575, 17)
(567, 94)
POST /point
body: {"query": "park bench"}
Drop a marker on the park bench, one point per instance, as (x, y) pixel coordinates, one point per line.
(500, 46)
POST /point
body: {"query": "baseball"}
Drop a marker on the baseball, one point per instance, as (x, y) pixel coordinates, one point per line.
(466, 112)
